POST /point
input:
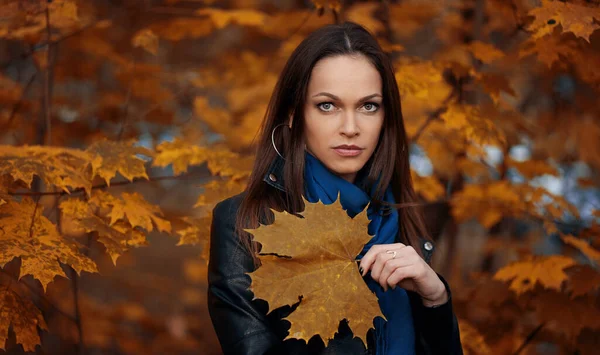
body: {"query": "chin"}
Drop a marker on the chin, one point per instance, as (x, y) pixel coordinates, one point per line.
(346, 167)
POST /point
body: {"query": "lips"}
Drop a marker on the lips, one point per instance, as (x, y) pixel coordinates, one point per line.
(346, 150)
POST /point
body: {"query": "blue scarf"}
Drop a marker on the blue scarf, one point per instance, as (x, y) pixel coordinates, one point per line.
(396, 336)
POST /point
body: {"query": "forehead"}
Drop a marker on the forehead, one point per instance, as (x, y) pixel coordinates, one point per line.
(345, 76)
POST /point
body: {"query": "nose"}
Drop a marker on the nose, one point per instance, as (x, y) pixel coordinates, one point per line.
(349, 126)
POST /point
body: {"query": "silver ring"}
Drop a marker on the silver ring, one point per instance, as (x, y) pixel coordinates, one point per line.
(393, 252)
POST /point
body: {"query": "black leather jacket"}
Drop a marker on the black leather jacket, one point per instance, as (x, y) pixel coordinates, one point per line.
(244, 327)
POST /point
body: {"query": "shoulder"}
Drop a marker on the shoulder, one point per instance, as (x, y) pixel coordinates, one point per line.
(227, 208)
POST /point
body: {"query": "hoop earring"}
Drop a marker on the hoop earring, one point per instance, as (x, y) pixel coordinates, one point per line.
(273, 139)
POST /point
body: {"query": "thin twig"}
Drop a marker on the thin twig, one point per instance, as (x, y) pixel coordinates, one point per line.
(529, 338)
(432, 117)
(17, 106)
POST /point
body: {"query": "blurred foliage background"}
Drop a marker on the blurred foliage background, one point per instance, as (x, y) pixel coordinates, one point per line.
(122, 123)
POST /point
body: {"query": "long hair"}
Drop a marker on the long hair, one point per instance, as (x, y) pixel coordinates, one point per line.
(288, 99)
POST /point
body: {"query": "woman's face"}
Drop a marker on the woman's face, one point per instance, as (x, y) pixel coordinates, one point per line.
(343, 113)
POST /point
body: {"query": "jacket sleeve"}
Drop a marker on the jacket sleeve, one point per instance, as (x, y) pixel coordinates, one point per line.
(436, 328)
(240, 323)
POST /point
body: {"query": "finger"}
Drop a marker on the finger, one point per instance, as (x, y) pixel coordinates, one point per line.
(369, 258)
(400, 274)
(386, 264)
(390, 267)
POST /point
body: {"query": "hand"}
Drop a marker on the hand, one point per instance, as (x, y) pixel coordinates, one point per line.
(407, 270)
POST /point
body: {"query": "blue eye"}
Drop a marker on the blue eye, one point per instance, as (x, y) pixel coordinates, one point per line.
(373, 104)
(320, 106)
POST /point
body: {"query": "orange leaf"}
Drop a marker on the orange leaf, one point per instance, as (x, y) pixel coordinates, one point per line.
(116, 238)
(573, 18)
(61, 167)
(32, 237)
(584, 247)
(133, 208)
(112, 157)
(548, 271)
(24, 317)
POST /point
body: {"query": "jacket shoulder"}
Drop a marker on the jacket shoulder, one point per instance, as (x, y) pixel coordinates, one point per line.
(229, 206)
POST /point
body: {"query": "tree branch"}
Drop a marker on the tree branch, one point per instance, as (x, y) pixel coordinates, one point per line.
(432, 117)
(104, 185)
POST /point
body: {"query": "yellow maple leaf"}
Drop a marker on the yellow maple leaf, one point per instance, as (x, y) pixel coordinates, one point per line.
(320, 266)
(133, 208)
(245, 17)
(24, 317)
(532, 168)
(487, 202)
(217, 190)
(548, 271)
(197, 231)
(61, 167)
(584, 247)
(572, 17)
(485, 52)
(146, 39)
(112, 157)
(472, 340)
(116, 238)
(27, 234)
(472, 124)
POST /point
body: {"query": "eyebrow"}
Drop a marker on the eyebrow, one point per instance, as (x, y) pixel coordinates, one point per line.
(338, 99)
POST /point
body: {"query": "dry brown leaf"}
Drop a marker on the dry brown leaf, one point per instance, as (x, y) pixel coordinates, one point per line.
(320, 267)
(548, 271)
(583, 279)
(112, 157)
(24, 317)
(564, 315)
(61, 167)
(38, 244)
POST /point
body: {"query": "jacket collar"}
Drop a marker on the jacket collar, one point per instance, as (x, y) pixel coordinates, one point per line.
(274, 175)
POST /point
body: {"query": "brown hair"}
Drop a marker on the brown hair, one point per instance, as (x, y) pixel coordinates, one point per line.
(288, 99)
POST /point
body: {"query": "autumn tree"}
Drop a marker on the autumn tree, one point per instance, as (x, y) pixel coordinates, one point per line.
(123, 123)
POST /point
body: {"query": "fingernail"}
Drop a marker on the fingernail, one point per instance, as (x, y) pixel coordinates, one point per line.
(361, 270)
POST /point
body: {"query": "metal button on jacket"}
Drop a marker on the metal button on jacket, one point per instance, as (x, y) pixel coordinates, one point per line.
(272, 177)
(428, 246)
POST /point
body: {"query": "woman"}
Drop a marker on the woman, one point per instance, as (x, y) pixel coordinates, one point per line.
(337, 108)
